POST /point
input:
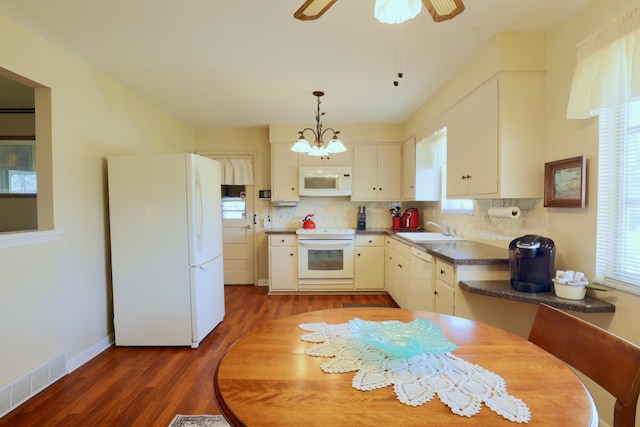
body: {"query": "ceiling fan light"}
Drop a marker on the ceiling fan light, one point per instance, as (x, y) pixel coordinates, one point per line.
(442, 10)
(396, 11)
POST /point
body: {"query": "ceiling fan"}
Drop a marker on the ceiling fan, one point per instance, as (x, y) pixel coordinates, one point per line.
(440, 10)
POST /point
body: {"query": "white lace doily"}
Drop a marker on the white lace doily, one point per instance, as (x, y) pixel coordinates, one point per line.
(460, 385)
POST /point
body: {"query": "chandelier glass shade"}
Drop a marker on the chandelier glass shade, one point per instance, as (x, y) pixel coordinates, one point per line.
(318, 147)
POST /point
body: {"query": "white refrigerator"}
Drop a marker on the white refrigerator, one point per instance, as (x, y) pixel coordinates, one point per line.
(166, 248)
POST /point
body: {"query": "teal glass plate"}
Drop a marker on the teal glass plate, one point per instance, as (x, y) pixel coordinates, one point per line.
(402, 340)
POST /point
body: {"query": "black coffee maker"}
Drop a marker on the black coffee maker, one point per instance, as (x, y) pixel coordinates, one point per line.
(531, 261)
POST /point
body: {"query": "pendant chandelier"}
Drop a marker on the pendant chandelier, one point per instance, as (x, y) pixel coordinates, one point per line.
(318, 147)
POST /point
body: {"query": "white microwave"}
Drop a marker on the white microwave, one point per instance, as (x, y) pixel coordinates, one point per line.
(325, 181)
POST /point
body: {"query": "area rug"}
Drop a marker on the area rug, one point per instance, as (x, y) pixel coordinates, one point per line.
(199, 421)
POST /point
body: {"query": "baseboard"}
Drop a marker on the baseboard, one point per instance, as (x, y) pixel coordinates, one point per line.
(90, 353)
(263, 282)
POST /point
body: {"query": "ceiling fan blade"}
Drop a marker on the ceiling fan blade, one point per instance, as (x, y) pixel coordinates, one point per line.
(313, 9)
(441, 10)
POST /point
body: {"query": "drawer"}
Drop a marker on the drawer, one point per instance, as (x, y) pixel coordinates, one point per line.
(283, 240)
(445, 272)
(370, 240)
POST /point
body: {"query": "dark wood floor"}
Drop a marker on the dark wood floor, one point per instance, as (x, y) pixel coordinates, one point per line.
(140, 386)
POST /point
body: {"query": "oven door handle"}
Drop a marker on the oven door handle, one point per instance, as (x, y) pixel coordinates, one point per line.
(319, 242)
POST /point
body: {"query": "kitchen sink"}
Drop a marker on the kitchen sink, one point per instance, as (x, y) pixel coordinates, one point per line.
(426, 236)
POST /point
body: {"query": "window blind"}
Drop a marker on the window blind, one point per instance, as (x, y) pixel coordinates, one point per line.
(618, 223)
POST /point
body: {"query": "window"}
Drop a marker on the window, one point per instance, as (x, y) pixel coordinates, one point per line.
(234, 204)
(618, 235)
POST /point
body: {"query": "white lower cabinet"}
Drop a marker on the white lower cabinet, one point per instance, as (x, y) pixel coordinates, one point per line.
(398, 270)
(283, 263)
(449, 298)
(369, 263)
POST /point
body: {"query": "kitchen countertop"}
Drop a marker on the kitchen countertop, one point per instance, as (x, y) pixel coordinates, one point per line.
(502, 289)
(459, 252)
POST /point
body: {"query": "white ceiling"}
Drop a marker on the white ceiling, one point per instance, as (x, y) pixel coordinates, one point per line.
(246, 63)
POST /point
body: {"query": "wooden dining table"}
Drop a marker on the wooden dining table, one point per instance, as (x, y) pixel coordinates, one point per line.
(266, 379)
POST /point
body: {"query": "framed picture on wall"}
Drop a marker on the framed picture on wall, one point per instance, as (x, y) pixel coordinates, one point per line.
(565, 183)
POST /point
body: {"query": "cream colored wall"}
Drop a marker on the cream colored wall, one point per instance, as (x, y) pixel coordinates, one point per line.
(56, 297)
(574, 230)
(245, 141)
(504, 52)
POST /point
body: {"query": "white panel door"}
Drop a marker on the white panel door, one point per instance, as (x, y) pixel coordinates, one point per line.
(238, 245)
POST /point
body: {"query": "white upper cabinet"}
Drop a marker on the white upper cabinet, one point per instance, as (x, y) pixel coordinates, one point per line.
(494, 139)
(377, 172)
(284, 173)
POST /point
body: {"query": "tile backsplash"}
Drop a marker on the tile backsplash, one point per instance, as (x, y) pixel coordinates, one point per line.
(341, 212)
(333, 212)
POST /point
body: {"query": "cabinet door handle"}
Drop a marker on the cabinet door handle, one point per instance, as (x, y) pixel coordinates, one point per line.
(442, 272)
(468, 176)
(400, 265)
(435, 292)
(291, 254)
(358, 254)
(254, 219)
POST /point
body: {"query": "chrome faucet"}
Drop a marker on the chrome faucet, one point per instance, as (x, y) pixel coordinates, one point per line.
(445, 230)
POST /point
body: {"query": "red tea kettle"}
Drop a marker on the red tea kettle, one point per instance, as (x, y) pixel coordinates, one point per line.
(307, 222)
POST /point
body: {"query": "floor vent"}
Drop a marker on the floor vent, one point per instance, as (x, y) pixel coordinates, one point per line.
(33, 382)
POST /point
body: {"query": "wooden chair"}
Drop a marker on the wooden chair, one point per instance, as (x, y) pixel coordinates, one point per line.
(609, 360)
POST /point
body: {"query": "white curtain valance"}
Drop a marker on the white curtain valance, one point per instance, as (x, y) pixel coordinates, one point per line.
(236, 171)
(608, 69)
